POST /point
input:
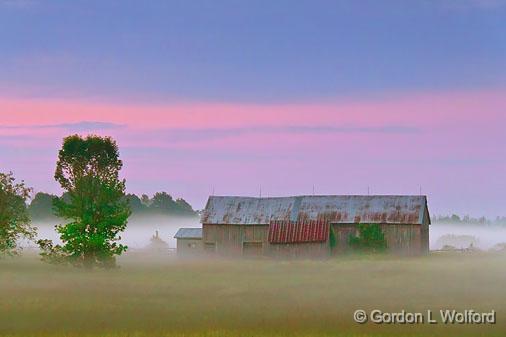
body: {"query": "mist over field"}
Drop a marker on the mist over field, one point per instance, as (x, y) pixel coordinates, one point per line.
(141, 228)
(487, 236)
(171, 297)
(154, 293)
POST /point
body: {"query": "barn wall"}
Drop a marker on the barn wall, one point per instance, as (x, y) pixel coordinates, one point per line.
(425, 232)
(300, 250)
(401, 239)
(189, 247)
(342, 233)
(229, 240)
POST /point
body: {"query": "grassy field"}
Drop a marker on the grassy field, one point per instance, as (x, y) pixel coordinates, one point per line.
(164, 297)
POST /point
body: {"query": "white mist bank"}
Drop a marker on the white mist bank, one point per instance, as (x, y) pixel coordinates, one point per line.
(487, 236)
(140, 230)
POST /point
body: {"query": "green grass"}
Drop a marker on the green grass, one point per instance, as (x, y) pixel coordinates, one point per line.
(164, 297)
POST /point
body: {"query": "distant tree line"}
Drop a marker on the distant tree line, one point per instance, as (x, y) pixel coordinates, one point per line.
(41, 207)
(468, 220)
(160, 203)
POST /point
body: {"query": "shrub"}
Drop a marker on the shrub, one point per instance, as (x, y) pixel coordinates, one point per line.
(370, 239)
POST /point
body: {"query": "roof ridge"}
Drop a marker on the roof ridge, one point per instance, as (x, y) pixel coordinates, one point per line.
(322, 195)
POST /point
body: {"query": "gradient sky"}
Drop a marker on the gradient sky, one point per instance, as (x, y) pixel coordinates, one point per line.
(233, 95)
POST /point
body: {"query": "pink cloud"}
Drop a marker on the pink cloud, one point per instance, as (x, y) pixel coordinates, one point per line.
(457, 121)
(423, 109)
(442, 141)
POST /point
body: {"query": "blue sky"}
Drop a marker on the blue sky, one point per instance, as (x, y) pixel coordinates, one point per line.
(254, 51)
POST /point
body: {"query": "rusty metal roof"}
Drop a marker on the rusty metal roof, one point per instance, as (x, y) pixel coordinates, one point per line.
(189, 233)
(331, 208)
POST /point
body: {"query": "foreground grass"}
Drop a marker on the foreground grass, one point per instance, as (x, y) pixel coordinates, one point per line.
(162, 297)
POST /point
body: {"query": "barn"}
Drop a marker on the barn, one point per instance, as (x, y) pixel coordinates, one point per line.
(301, 226)
(189, 242)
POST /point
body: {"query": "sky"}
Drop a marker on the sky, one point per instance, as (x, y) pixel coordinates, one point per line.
(268, 98)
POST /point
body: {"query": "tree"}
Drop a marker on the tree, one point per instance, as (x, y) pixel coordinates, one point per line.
(41, 206)
(184, 206)
(163, 203)
(455, 218)
(135, 203)
(370, 239)
(14, 217)
(145, 200)
(94, 203)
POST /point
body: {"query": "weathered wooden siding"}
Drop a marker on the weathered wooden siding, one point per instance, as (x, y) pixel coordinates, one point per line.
(342, 232)
(425, 232)
(425, 239)
(403, 239)
(189, 247)
(303, 250)
(229, 239)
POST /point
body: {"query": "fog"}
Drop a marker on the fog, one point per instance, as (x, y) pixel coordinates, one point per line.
(140, 229)
(486, 236)
(155, 293)
(246, 297)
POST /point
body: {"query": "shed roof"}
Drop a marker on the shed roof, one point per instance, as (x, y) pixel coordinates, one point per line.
(189, 233)
(332, 208)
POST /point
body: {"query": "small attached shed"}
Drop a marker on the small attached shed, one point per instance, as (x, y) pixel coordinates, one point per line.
(300, 226)
(189, 242)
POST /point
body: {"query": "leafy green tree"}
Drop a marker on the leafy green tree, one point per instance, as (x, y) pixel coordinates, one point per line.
(41, 206)
(370, 238)
(14, 217)
(94, 203)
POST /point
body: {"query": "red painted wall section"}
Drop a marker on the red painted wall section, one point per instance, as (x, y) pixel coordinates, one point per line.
(298, 232)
